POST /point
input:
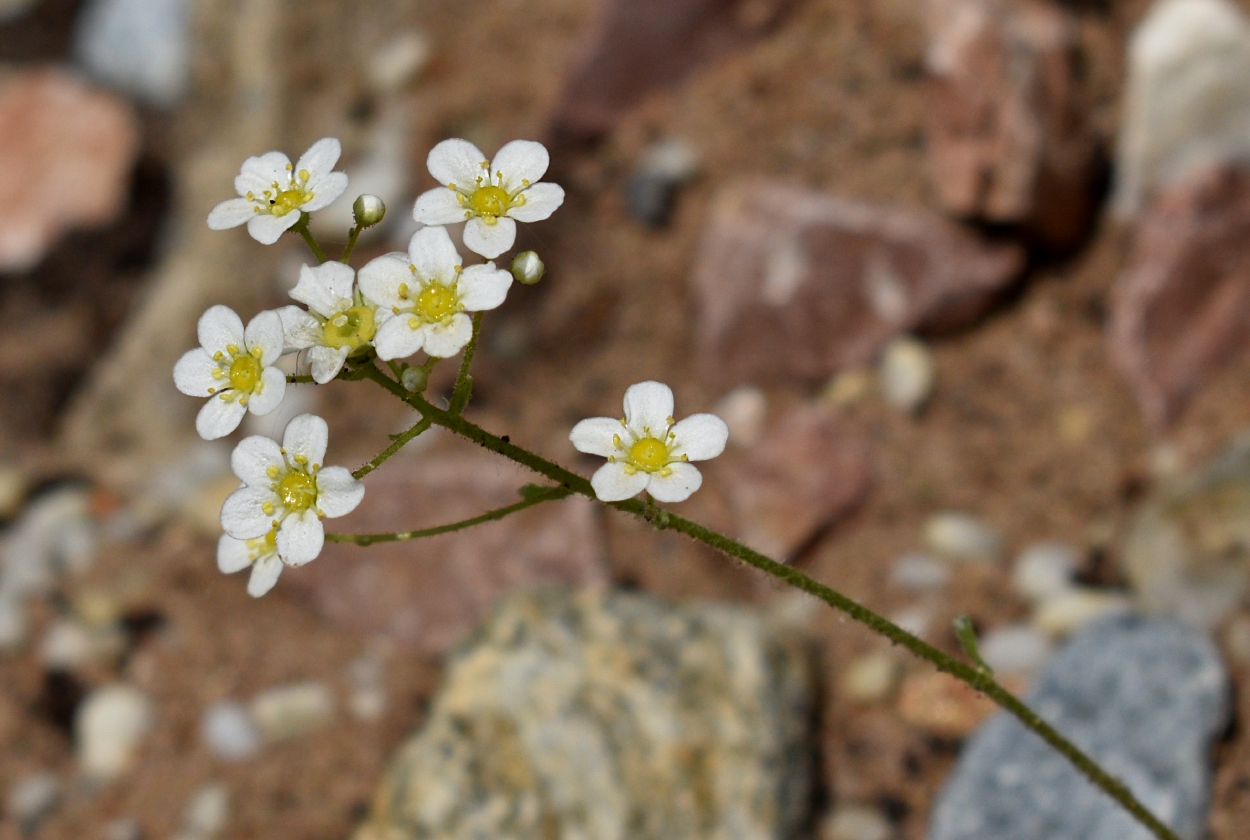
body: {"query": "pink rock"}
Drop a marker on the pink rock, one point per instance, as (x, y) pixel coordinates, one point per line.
(639, 46)
(1008, 141)
(1183, 303)
(433, 591)
(807, 471)
(66, 151)
(797, 284)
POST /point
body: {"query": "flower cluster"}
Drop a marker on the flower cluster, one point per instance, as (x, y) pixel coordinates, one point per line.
(396, 305)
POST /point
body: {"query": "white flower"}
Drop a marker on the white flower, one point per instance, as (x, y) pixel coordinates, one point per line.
(287, 490)
(648, 450)
(273, 193)
(260, 553)
(233, 367)
(428, 292)
(339, 321)
(490, 194)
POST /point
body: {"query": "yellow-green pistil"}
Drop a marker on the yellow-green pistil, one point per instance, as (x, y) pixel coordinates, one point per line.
(297, 490)
(278, 201)
(241, 369)
(435, 303)
(648, 454)
(489, 201)
(351, 328)
(245, 373)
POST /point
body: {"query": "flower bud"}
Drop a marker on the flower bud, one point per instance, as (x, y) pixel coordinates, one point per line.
(414, 379)
(369, 211)
(527, 268)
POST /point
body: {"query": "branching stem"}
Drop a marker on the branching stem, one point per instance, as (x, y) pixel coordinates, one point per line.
(301, 227)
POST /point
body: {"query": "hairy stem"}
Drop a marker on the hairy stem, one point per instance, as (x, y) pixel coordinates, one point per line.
(464, 382)
(301, 227)
(980, 680)
(352, 236)
(547, 494)
(398, 443)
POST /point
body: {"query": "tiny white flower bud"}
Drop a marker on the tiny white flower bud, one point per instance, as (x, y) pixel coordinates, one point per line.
(369, 210)
(414, 379)
(527, 268)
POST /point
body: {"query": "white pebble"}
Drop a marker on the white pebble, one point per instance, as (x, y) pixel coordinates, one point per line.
(397, 62)
(69, 644)
(920, 573)
(744, 410)
(906, 374)
(960, 536)
(289, 711)
(138, 46)
(230, 732)
(915, 620)
(856, 822)
(33, 798)
(109, 726)
(122, 828)
(1016, 649)
(871, 678)
(1044, 570)
(207, 813)
(1075, 607)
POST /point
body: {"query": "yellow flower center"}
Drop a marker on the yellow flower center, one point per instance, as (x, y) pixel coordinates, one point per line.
(245, 373)
(288, 200)
(351, 328)
(298, 491)
(489, 201)
(437, 301)
(648, 454)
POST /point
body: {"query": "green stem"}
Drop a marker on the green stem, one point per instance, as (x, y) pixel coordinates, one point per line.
(352, 236)
(977, 679)
(464, 382)
(298, 379)
(546, 495)
(398, 443)
(301, 227)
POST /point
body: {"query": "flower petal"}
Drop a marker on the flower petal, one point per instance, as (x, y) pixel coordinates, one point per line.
(219, 418)
(269, 395)
(268, 229)
(232, 555)
(306, 435)
(259, 174)
(483, 287)
(326, 192)
(379, 279)
(252, 459)
(338, 493)
(300, 538)
(439, 206)
(265, 331)
(326, 362)
(648, 405)
(447, 339)
(319, 159)
(326, 289)
(489, 240)
(520, 161)
(699, 437)
(456, 162)
(218, 328)
(682, 480)
(541, 200)
(397, 340)
(594, 436)
(193, 373)
(300, 330)
(433, 254)
(613, 484)
(242, 516)
(264, 575)
(231, 213)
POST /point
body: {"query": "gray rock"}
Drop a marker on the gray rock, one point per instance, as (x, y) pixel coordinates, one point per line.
(33, 798)
(650, 192)
(138, 46)
(230, 731)
(606, 716)
(1144, 697)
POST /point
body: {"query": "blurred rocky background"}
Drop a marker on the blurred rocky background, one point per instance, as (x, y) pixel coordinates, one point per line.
(969, 280)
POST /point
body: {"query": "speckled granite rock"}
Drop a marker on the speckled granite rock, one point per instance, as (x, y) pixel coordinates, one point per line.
(608, 716)
(1144, 697)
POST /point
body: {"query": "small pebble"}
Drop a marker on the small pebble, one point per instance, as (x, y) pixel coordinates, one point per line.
(229, 731)
(207, 813)
(289, 711)
(871, 678)
(69, 644)
(744, 410)
(920, 573)
(856, 822)
(1237, 639)
(960, 536)
(915, 620)
(664, 167)
(396, 63)
(1044, 570)
(906, 374)
(367, 700)
(12, 484)
(1074, 608)
(1019, 649)
(849, 387)
(123, 828)
(942, 705)
(141, 47)
(109, 726)
(33, 798)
